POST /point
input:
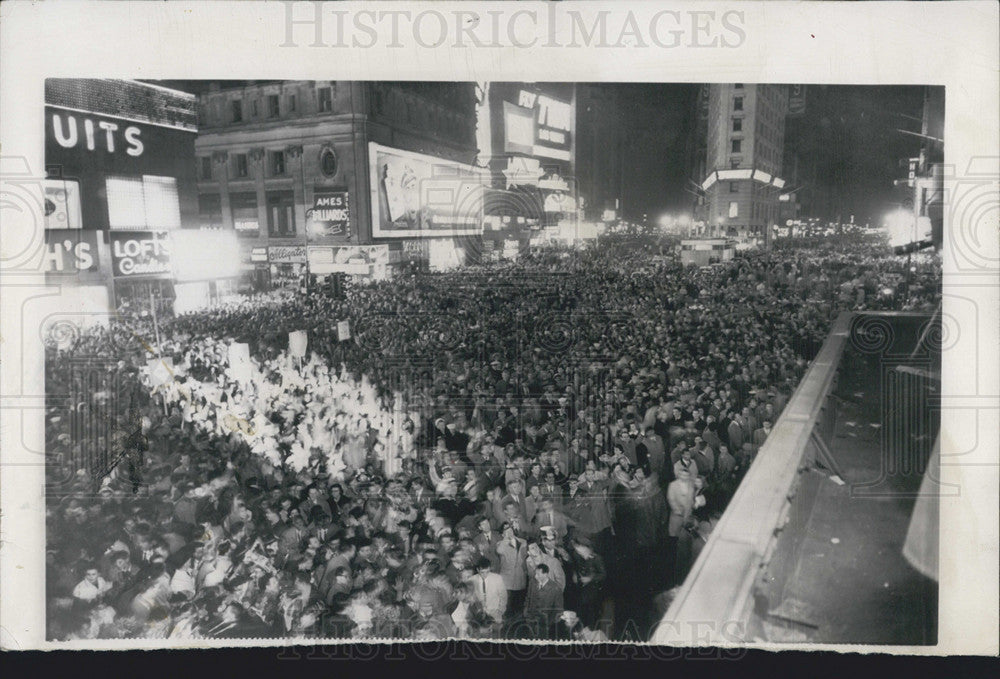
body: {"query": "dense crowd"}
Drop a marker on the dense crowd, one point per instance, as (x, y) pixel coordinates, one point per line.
(535, 449)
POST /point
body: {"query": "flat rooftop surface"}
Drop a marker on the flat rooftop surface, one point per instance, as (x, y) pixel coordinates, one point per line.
(851, 583)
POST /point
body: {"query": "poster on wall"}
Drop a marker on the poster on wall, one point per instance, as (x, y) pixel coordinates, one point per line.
(140, 253)
(415, 195)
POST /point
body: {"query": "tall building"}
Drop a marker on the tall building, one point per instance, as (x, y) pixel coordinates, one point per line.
(745, 134)
(600, 150)
(336, 176)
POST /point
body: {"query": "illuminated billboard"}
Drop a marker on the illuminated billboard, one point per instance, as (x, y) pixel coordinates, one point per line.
(416, 196)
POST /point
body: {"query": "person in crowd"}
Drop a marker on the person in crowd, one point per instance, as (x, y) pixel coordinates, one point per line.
(544, 603)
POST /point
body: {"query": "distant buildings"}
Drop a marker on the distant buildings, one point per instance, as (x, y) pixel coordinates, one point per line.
(743, 127)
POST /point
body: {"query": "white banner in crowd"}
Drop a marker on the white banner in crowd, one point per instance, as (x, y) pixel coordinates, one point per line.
(161, 370)
(297, 342)
(239, 361)
(343, 330)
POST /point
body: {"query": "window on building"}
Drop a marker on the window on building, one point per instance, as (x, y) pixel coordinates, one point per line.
(237, 110)
(280, 214)
(277, 163)
(254, 110)
(738, 86)
(325, 99)
(734, 163)
(738, 103)
(291, 103)
(242, 167)
(734, 209)
(328, 162)
(210, 210)
(734, 187)
(737, 145)
(145, 202)
(244, 209)
(737, 124)
(206, 168)
(273, 106)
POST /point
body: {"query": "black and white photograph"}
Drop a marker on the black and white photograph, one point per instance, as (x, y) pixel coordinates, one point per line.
(550, 331)
(494, 360)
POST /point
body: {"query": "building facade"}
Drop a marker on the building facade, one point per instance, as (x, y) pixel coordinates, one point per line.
(744, 146)
(119, 181)
(301, 170)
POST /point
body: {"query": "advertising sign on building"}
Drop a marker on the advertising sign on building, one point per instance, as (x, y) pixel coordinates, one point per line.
(349, 259)
(796, 101)
(62, 204)
(286, 254)
(330, 216)
(538, 125)
(73, 251)
(140, 253)
(258, 254)
(415, 195)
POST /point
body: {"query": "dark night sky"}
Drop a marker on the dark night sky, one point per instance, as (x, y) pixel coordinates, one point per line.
(848, 132)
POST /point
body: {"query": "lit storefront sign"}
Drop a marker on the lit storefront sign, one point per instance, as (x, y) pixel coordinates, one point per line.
(74, 252)
(140, 253)
(287, 254)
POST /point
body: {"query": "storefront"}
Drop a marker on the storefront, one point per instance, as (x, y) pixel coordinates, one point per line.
(287, 266)
(140, 270)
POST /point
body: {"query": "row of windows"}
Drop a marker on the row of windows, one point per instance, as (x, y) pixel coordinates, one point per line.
(276, 165)
(246, 221)
(274, 106)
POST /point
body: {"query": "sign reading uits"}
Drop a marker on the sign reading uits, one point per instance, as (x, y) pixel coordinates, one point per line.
(70, 131)
(140, 253)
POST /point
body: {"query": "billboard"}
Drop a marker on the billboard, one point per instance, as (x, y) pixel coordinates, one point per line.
(420, 196)
(349, 259)
(538, 125)
(330, 216)
(140, 253)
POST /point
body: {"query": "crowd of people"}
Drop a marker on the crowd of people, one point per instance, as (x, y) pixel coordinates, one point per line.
(519, 450)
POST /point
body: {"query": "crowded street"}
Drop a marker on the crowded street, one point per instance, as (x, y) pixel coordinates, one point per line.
(505, 450)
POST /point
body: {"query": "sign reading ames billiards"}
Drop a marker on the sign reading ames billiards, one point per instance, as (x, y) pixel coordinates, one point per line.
(330, 216)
